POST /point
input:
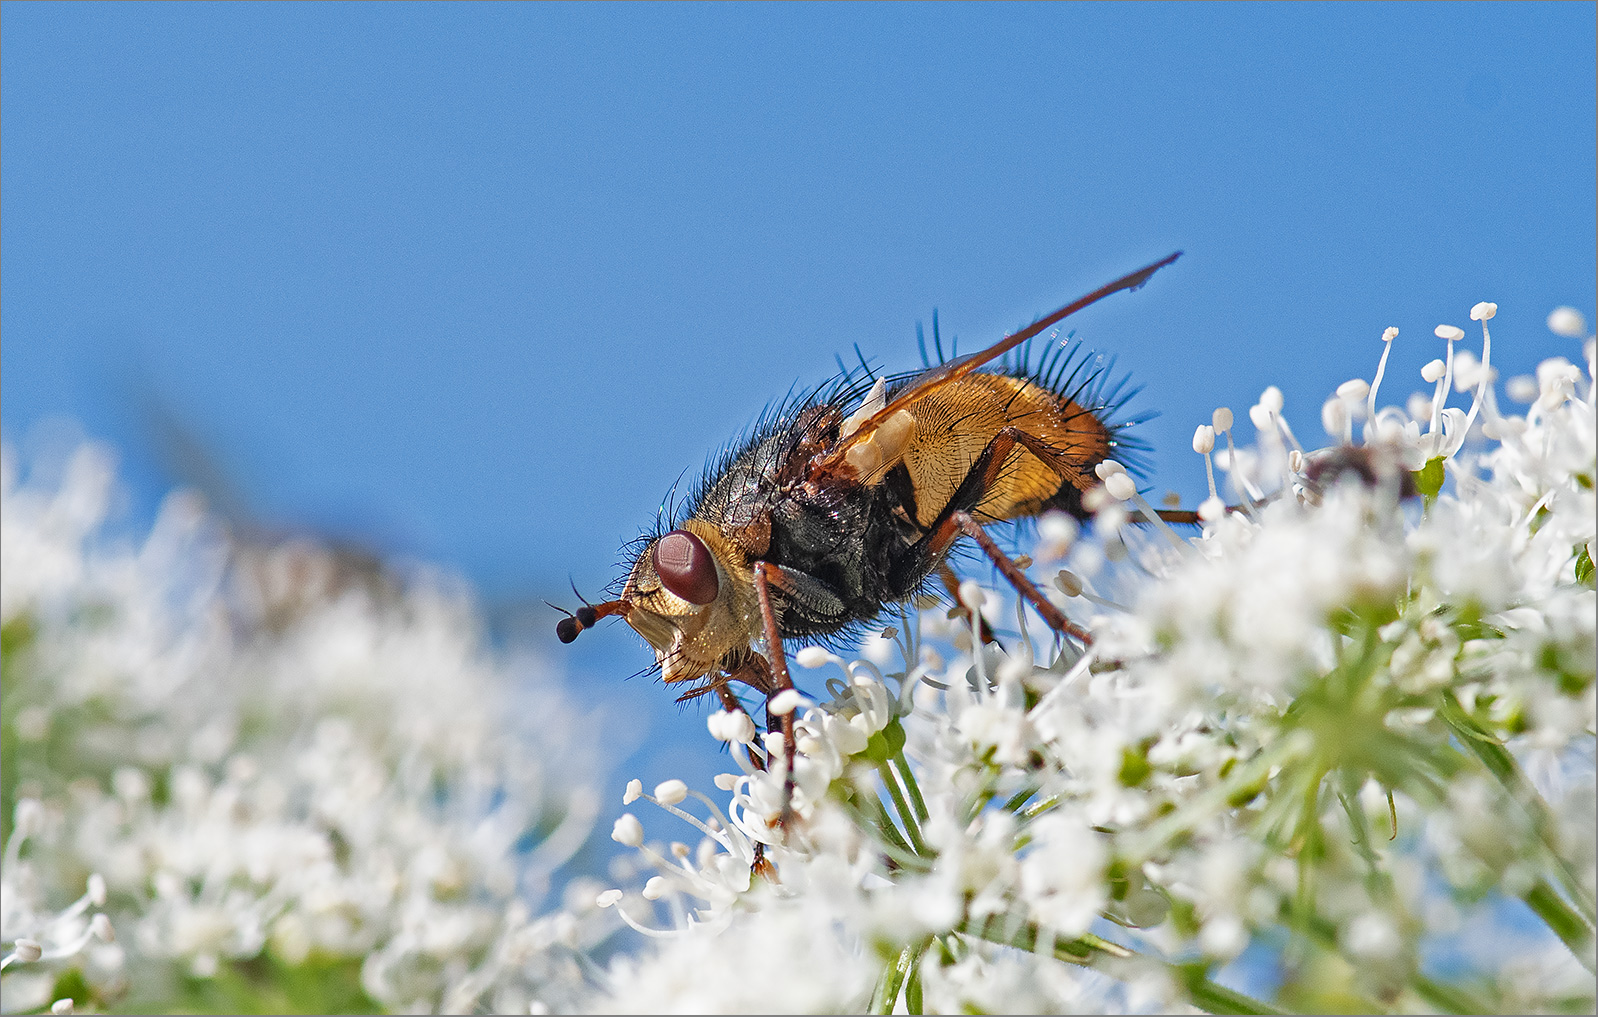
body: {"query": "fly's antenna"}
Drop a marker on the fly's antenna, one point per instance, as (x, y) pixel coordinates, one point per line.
(585, 617)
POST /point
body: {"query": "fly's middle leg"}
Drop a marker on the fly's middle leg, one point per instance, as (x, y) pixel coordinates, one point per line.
(780, 683)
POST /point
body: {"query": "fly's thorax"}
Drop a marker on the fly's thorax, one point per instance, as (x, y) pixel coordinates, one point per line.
(692, 639)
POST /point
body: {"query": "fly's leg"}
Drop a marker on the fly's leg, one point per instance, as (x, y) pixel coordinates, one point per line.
(732, 704)
(958, 519)
(1052, 615)
(951, 582)
(754, 672)
(780, 682)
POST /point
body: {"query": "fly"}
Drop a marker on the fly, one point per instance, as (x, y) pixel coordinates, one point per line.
(851, 500)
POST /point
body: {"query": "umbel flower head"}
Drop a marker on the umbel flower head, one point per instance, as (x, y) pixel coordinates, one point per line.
(273, 758)
(1333, 751)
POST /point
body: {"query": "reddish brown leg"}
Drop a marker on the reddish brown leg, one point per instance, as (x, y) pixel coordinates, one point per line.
(1052, 615)
(756, 674)
(951, 582)
(780, 682)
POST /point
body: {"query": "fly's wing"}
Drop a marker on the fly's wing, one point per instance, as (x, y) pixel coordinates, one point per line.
(954, 370)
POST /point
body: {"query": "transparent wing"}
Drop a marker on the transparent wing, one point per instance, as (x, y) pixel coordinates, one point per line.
(946, 374)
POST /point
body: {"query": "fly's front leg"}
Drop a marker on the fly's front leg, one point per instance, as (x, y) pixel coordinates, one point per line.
(753, 672)
(765, 577)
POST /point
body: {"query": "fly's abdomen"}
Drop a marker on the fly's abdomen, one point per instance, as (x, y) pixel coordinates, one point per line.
(955, 424)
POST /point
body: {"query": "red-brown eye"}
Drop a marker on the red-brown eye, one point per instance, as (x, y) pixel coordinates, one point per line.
(685, 567)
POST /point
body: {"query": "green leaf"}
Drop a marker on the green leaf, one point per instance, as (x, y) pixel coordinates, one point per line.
(1135, 768)
(885, 744)
(1429, 478)
(1584, 566)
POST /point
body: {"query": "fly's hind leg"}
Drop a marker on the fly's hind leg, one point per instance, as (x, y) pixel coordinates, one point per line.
(1051, 615)
(957, 520)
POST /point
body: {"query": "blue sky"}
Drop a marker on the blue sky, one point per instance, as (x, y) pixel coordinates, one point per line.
(478, 283)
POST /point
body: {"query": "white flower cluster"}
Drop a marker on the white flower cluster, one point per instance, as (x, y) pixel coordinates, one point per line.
(272, 752)
(1319, 747)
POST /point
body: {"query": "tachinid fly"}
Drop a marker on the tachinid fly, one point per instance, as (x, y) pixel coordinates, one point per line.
(851, 500)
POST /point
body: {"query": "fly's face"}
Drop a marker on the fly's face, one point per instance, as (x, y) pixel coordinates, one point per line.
(690, 595)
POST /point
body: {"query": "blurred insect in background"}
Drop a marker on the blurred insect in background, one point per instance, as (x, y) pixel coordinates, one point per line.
(850, 500)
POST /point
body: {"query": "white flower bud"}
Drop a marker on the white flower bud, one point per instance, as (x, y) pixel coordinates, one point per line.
(627, 831)
(1108, 468)
(610, 898)
(1334, 416)
(97, 890)
(655, 888)
(1057, 528)
(1452, 333)
(635, 787)
(1222, 420)
(1389, 334)
(27, 950)
(1568, 322)
(26, 817)
(1211, 509)
(784, 702)
(1354, 390)
(1203, 439)
(972, 595)
(726, 781)
(1272, 399)
(1260, 416)
(1295, 461)
(1068, 583)
(1121, 487)
(1483, 311)
(1433, 371)
(100, 925)
(62, 1006)
(670, 792)
(812, 656)
(730, 726)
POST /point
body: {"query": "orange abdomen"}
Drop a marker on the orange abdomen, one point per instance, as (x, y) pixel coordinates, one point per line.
(954, 424)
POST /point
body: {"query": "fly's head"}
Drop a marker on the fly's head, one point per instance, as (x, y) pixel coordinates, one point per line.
(690, 594)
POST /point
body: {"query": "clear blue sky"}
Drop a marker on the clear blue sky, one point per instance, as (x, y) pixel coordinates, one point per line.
(480, 282)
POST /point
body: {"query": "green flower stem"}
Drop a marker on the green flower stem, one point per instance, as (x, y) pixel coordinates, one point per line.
(1015, 801)
(911, 828)
(1213, 997)
(1503, 765)
(1116, 960)
(1445, 998)
(907, 775)
(1569, 926)
(1141, 848)
(1041, 806)
(902, 974)
(891, 841)
(912, 983)
(1322, 932)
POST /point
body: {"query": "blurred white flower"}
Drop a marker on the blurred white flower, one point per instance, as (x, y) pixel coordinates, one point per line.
(280, 749)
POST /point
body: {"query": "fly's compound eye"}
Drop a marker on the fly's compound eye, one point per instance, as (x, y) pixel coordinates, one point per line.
(686, 568)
